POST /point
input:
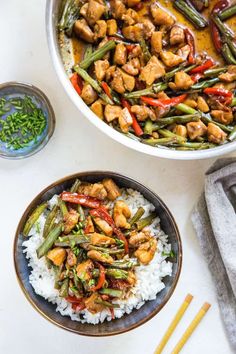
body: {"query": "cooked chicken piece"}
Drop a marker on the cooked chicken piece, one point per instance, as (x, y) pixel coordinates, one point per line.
(95, 190)
(57, 255)
(128, 80)
(182, 81)
(161, 16)
(184, 52)
(101, 44)
(180, 130)
(148, 27)
(83, 31)
(103, 226)
(101, 67)
(133, 3)
(112, 112)
(143, 112)
(146, 251)
(137, 238)
(131, 279)
(100, 29)
(225, 117)
(119, 284)
(112, 189)
(120, 56)
(136, 52)
(152, 71)
(156, 42)
(190, 102)
(132, 67)
(84, 270)
(117, 83)
(134, 33)
(84, 9)
(89, 227)
(110, 72)
(71, 258)
(130, 17)
(177, 35)
(215, 134)
(94, 12)
(97, 108)
(125, 120)
(100, 257)
(101, 240)
(118, 8)
(121, 213)
(170, 59)
(70, 220)
(162, 95)
(202, 104)
(111, 27)
(196, 129)
(91, 304)
(230, 75)
(88, 94)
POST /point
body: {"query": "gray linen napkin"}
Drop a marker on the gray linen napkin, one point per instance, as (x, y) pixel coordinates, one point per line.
(214, 220)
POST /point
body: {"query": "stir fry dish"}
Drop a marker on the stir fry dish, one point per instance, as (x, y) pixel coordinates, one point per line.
(141, 73)
(93, 244)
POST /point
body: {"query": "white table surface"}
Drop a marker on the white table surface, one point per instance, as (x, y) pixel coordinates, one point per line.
(79, 146)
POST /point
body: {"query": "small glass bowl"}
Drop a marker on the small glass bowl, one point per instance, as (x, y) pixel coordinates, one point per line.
(18, 89)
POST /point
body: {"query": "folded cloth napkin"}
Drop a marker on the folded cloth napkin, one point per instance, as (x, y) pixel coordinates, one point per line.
(214, 219)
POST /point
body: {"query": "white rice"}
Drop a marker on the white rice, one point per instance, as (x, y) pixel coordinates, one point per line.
(149, 278)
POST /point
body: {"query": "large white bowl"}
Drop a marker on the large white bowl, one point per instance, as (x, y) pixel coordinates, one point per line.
(52, 10)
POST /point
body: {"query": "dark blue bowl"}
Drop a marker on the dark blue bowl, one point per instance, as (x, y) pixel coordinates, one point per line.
(136, 317)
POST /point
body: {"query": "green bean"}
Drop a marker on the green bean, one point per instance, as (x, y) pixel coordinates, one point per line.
(75, 186)
(125, 263)
(113, 273)
(205, 84)
(106, 250)
(162, 122)
(185, 109)
(71, 240)
(33, 218)
(147, 92)
(182, 67)
(233, 104)
(227, 13)
(81, 213)
(148, 128)
(214, 72)
(191, 14)
(197, 146)
(88, 78)
(49, 240)
(111, 292)
(227, 54)
(140, 224)
(232, 135)
(106, 98)
(88, 51)
(160, 141)
(97, 55)
(50, 220)
(64, 288)
(57, 272)
(63, 207)
(107, 304)
(223, 28)
(70, 14)
(168, 134)
(145, 50)
(139, 213)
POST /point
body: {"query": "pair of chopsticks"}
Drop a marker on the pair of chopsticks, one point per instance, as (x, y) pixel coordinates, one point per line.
(201, 313)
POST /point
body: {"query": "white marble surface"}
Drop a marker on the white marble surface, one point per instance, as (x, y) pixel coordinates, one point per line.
(78, 146)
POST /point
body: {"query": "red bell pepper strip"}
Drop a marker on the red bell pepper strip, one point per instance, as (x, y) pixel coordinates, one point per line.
(77, 304)
(101, 279)
(137, 129)
(215, 33)
(164, 103)
(112, 313)
(80, 199)
(191, 42)
(77, 83)
(102, 213)
(220, 92)
(201, 68)
(106, 89)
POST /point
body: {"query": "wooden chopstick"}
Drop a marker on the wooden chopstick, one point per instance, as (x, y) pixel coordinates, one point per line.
(174, 323)
(201, 313)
